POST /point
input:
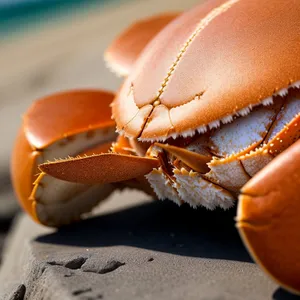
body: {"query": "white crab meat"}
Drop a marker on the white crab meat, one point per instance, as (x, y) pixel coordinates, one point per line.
(243, 132)
(195, 190)
(238, 150)
(83, 202)
(288, 111)
(254, 161)
(163, 186)
(228, 173)
(55, 197)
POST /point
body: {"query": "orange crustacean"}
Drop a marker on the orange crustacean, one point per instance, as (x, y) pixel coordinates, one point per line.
(209, 114)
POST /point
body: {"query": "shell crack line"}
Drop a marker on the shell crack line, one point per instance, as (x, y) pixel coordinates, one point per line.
(272, 124)
(202, 25)
(145, 123)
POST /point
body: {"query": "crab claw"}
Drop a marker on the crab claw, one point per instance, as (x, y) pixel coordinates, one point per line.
(268, 218)
(68, 123)
(103, 168)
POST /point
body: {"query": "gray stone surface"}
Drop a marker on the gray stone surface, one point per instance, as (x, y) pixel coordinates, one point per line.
(8, 203)
(8, 207)
(18, 292)
(2, 238)
(135, 249)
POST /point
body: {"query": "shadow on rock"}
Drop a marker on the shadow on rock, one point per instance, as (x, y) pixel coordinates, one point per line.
(281, 294)
(161, 226)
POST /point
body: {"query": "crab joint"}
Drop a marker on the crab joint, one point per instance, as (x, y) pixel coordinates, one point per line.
(193, 160)
(156, 103)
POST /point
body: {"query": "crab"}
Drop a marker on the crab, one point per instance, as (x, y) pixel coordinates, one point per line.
(208, 114)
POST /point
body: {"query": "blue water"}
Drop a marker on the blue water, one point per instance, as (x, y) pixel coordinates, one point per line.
(17, 14)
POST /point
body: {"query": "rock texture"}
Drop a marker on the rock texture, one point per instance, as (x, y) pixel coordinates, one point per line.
(8, 208)
(8, 203)
(18, 292)
(135, 249)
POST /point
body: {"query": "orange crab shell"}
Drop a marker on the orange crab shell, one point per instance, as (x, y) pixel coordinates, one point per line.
(122, 53)
(268, 218)
(222, 61)
(48, 122)
(103, 168)
(23, 171)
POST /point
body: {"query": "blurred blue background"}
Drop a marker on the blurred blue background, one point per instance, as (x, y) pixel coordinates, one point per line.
(17, 14)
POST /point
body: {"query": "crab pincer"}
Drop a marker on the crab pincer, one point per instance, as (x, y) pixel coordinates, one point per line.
(57, 126)
(268, 218)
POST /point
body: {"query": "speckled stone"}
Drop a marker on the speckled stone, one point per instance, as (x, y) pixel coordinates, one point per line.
(135, 248)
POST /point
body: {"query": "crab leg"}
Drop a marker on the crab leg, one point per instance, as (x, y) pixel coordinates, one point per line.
(254, 141)
(180, 184)
(63, 124)
(236, 139)
(122, 146)
(197, 162)
(279, 138)
(102, 168)
(56, 202)
(268, 218)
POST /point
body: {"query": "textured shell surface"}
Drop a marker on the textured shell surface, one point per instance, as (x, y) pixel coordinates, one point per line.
(214, 62)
